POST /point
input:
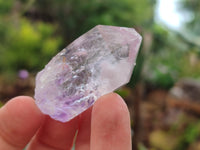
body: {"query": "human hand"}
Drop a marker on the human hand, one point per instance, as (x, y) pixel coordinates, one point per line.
(105, 126)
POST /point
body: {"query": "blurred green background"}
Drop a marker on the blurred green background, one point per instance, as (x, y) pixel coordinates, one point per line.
(163, 95)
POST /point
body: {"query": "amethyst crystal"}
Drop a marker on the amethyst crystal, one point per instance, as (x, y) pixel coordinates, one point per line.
(95, 64)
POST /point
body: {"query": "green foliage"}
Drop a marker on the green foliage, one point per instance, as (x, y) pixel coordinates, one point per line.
(165, 67)
(169, 64)
(141, 147)
(161, 67)
(160, 36)
(1, 104)
(28, 46)
(192, 8)
(123, 92)
(5, 6)
(77, 16)
(191, 134)
(190, 65)
(136, 75)
(170, 58)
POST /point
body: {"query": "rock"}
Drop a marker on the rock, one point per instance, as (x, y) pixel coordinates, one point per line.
(185, 95)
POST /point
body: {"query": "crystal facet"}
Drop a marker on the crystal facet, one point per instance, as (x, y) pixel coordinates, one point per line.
(95, 64)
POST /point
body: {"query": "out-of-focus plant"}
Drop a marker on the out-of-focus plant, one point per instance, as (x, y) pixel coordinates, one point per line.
(171, 58)
(24, 44)
(1, 104)
(77, 16)
(141, 147)
(123, 92)
(160, 67)
(190, 135)
(28, 46)
(191, 11)
(5, 6)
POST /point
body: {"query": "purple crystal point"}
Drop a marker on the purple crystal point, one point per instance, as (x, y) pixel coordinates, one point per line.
(95, 64)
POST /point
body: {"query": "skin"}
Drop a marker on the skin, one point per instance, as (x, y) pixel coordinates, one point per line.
(105, 126)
